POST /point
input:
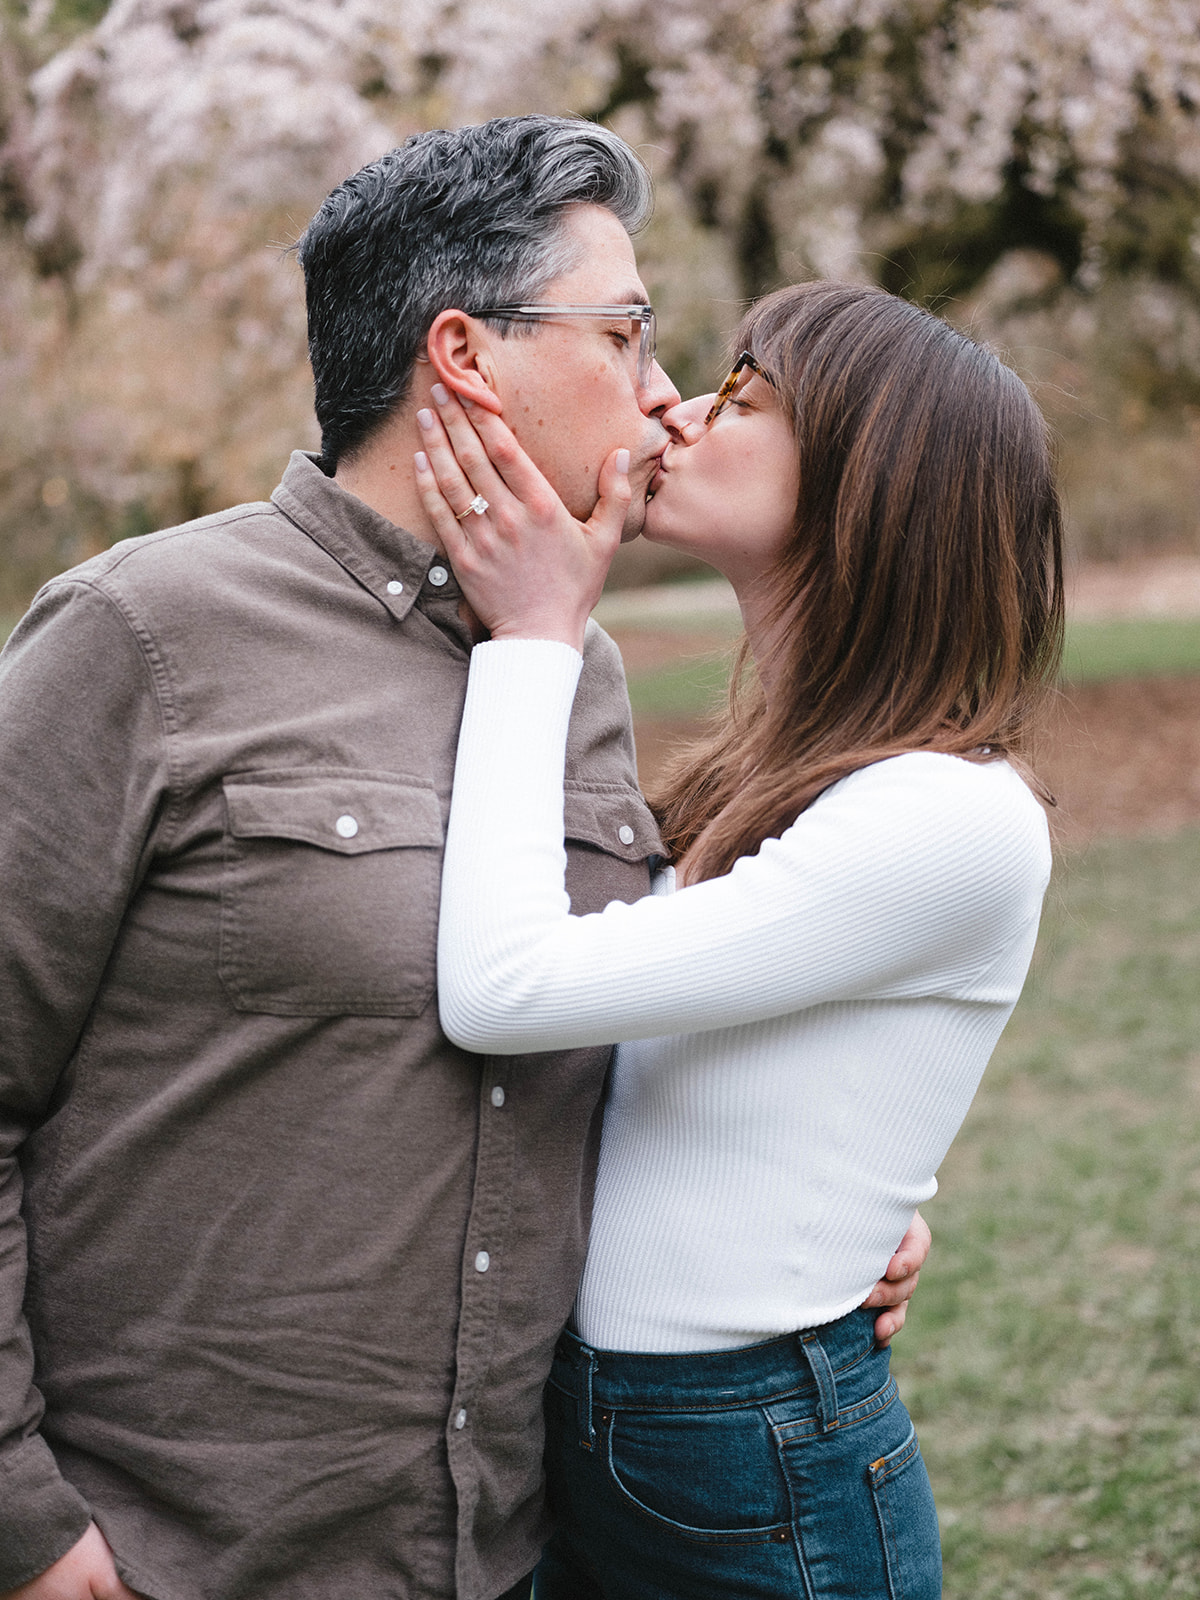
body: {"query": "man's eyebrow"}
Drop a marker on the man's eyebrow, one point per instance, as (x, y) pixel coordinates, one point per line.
(631, 297)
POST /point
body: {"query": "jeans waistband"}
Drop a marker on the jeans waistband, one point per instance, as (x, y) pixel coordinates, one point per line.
(796, 1364)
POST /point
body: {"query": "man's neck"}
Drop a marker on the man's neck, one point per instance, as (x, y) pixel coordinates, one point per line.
(383, 477)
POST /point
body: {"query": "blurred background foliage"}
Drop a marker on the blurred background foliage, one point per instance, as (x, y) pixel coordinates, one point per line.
(1029, 168)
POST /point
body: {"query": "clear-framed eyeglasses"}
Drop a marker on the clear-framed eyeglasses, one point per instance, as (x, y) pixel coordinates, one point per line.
(642, 315)
(743, 369)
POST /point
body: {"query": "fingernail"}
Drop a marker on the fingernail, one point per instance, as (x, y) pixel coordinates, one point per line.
(422, 461)
(425, 419)
(466, 402)
(622, 460)
(440, 393)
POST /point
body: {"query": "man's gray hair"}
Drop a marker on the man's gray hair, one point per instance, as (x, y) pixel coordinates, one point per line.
(465, 217)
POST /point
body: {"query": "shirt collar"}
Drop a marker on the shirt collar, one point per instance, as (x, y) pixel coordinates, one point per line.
(392, 564)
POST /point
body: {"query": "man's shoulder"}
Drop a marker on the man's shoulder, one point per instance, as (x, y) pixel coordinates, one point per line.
(601, 735)
(601, 657)
(602, 691)
(151, 554)
(194, 567)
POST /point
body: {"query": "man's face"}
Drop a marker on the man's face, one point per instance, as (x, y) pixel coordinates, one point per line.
(569, 389)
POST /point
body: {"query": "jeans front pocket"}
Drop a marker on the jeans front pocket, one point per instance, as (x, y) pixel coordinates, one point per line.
(710, 1476)
(329, 895)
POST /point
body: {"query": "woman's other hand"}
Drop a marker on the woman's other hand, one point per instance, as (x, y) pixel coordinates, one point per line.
(528, 569)
(895, 1289)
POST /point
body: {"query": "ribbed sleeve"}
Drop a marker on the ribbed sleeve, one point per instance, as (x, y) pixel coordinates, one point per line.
(906, 879)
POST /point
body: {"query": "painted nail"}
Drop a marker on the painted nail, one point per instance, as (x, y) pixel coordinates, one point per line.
(440, 393)
(422, 461)
(466, 402)
(622, 460)
(425, 419)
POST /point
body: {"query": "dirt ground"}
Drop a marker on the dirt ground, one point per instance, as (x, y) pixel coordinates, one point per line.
(1124, 757)
(1120, 757)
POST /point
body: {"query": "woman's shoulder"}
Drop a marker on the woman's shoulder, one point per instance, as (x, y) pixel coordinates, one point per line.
(943, 805)
(960, 785)
(990, 779)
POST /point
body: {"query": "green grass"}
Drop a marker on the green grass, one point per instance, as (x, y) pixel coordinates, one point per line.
(1052, 1362)
(690, 689)
(1095, 650)
(1134, 647)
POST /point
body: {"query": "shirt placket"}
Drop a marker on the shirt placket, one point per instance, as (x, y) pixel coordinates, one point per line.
(483, 1266)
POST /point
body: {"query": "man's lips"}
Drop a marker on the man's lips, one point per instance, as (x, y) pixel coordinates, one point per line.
(656, 479)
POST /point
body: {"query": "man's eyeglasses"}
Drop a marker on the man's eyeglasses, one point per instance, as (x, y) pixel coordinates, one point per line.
(641, 314)
(743, 368)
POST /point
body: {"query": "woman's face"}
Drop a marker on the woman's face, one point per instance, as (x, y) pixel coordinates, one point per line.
(727, 493)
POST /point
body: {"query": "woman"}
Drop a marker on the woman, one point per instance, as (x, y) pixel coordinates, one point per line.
(859, 871)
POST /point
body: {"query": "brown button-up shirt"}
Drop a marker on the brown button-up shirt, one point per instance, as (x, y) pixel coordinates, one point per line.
(296, 1264)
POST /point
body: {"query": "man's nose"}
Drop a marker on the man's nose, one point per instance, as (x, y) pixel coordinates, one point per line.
(684, 421)
(659, 395)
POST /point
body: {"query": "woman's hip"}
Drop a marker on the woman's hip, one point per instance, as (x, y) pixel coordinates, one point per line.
(784, 1468)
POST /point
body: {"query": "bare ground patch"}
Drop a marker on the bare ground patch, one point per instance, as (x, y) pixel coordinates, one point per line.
(1121, 758)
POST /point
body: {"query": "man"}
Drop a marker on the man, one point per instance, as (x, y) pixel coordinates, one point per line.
(281, 1270)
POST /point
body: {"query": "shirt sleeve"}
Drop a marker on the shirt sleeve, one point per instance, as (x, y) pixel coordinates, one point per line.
(82, 778)
(921, 875)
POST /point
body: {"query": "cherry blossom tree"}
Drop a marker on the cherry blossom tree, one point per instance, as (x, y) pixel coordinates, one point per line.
(1030, 166)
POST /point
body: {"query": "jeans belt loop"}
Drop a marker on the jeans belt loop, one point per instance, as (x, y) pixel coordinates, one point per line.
(818, 1363)
(587, 1431)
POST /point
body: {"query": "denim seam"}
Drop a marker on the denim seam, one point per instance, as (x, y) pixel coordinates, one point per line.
(879, 1477)
(649, 1408)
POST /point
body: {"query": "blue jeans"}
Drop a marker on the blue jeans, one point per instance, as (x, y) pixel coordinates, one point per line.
(787, 1468)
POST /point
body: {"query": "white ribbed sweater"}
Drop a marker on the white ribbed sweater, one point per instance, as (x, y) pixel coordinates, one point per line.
(807, 1032)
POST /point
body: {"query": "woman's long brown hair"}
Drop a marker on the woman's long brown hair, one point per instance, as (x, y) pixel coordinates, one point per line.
(919, 603)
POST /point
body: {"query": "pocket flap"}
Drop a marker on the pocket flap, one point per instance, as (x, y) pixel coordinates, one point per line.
(616, 820)
(348, 812)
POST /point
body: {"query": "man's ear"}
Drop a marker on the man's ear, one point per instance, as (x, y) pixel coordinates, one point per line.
(459, 350)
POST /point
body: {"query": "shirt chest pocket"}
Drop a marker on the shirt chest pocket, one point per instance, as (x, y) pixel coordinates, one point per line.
(611, 839)
(329, 896)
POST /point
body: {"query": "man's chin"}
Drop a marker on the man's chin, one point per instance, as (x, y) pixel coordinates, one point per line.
(635, 517)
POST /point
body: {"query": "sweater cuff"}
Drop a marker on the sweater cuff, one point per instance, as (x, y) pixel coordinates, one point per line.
(511, 663)
(41, 1515)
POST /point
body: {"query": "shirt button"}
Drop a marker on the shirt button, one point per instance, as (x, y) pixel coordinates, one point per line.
(346, 826)
(482, 1261)
(497, 1096)
(625, 833)
(395, 586)
(460, 1419)
(438, 576)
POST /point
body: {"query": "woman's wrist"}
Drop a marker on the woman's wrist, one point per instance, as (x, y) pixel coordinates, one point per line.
(552, 630)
